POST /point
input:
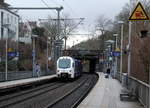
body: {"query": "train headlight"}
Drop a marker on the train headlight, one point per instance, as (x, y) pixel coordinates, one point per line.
(70, 71)
(57, 70)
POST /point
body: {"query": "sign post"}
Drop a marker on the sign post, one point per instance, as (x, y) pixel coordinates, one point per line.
(57, 49)
(116, 53)
(138, 14)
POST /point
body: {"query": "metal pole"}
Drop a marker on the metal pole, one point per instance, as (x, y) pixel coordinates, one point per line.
(65, 42)
(34, 8)
(129, 56)
(58, 23)
(103, 46)
(33, 70)
(6, 65)
(149, 88)
(121, 50)
(65, 37)
(73, 44)
(116, 41)
(116, 57)
(47, 57)
(58, 32)
(129, 43)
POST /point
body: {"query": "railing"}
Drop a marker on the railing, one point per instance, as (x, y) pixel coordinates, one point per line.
(21, 75)
(15, 75)
(138, 88)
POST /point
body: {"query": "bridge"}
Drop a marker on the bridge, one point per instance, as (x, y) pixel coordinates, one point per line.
(91, 56)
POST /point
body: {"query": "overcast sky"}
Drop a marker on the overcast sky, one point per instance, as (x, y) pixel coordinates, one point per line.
(88, 9)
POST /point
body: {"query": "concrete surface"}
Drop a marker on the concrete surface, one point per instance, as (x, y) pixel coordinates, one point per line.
(105, 94)
(14, 83)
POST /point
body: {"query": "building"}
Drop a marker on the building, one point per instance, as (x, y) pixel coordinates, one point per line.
(8, 22)
(25, 31)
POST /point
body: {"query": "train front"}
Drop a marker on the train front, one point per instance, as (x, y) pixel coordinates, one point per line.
(65, 67)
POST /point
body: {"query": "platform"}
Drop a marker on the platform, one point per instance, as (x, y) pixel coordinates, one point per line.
(10, 84)
(105, 94)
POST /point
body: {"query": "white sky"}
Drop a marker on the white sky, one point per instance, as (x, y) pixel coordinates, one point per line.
(88, 9)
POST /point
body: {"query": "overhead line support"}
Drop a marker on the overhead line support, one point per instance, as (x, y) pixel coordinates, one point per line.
(36, 8)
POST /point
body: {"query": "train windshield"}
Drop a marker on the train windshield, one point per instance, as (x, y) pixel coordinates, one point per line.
(64, 63)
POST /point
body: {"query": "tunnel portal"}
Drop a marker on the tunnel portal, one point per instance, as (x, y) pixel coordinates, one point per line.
(89, 58)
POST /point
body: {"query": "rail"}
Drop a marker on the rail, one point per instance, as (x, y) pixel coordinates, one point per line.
(10, 100)
(86, 85)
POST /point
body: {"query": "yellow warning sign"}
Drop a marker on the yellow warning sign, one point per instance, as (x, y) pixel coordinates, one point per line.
(117, 50)
(10, 49)
(139, 13)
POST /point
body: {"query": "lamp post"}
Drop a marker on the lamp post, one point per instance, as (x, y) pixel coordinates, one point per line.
(121, 53)
(65, 44)
(58, 21)
(6, 46)
(116, 60)
(106, 57)
(33, 54)
(48, 38)
(110, 44)
(129, 41)
(66, 32)
(6, 67)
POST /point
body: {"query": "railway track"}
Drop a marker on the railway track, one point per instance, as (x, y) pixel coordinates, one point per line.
(70, 99)
(65, 95)
(10, 100)
(53, 95)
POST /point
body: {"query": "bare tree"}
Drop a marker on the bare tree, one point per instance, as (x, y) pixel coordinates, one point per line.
(103, 24)
(50, 26)
(68, 26)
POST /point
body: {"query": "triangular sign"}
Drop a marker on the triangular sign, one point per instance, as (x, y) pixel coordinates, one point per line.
(117, 50)
(10, 50)
(139, 13)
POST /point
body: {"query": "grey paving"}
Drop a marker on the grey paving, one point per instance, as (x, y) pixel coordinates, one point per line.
(106, 95)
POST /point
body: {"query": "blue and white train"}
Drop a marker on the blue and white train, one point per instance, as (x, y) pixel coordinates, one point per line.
(68, 67)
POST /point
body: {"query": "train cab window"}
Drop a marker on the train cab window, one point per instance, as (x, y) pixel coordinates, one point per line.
(64, 63)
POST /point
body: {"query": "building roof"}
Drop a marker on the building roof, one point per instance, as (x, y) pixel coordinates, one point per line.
(10, 11)
(5, 6)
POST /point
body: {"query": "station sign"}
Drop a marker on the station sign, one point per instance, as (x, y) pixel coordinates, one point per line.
(116, 53)
(58, 42)
(139, 13)
(13, 54)
(10, 50)
(33, 53)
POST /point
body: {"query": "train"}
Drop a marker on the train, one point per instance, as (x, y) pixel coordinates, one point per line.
(68, 67)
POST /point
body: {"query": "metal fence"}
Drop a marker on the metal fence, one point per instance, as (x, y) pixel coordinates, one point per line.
(138, 88)
(21, 75)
